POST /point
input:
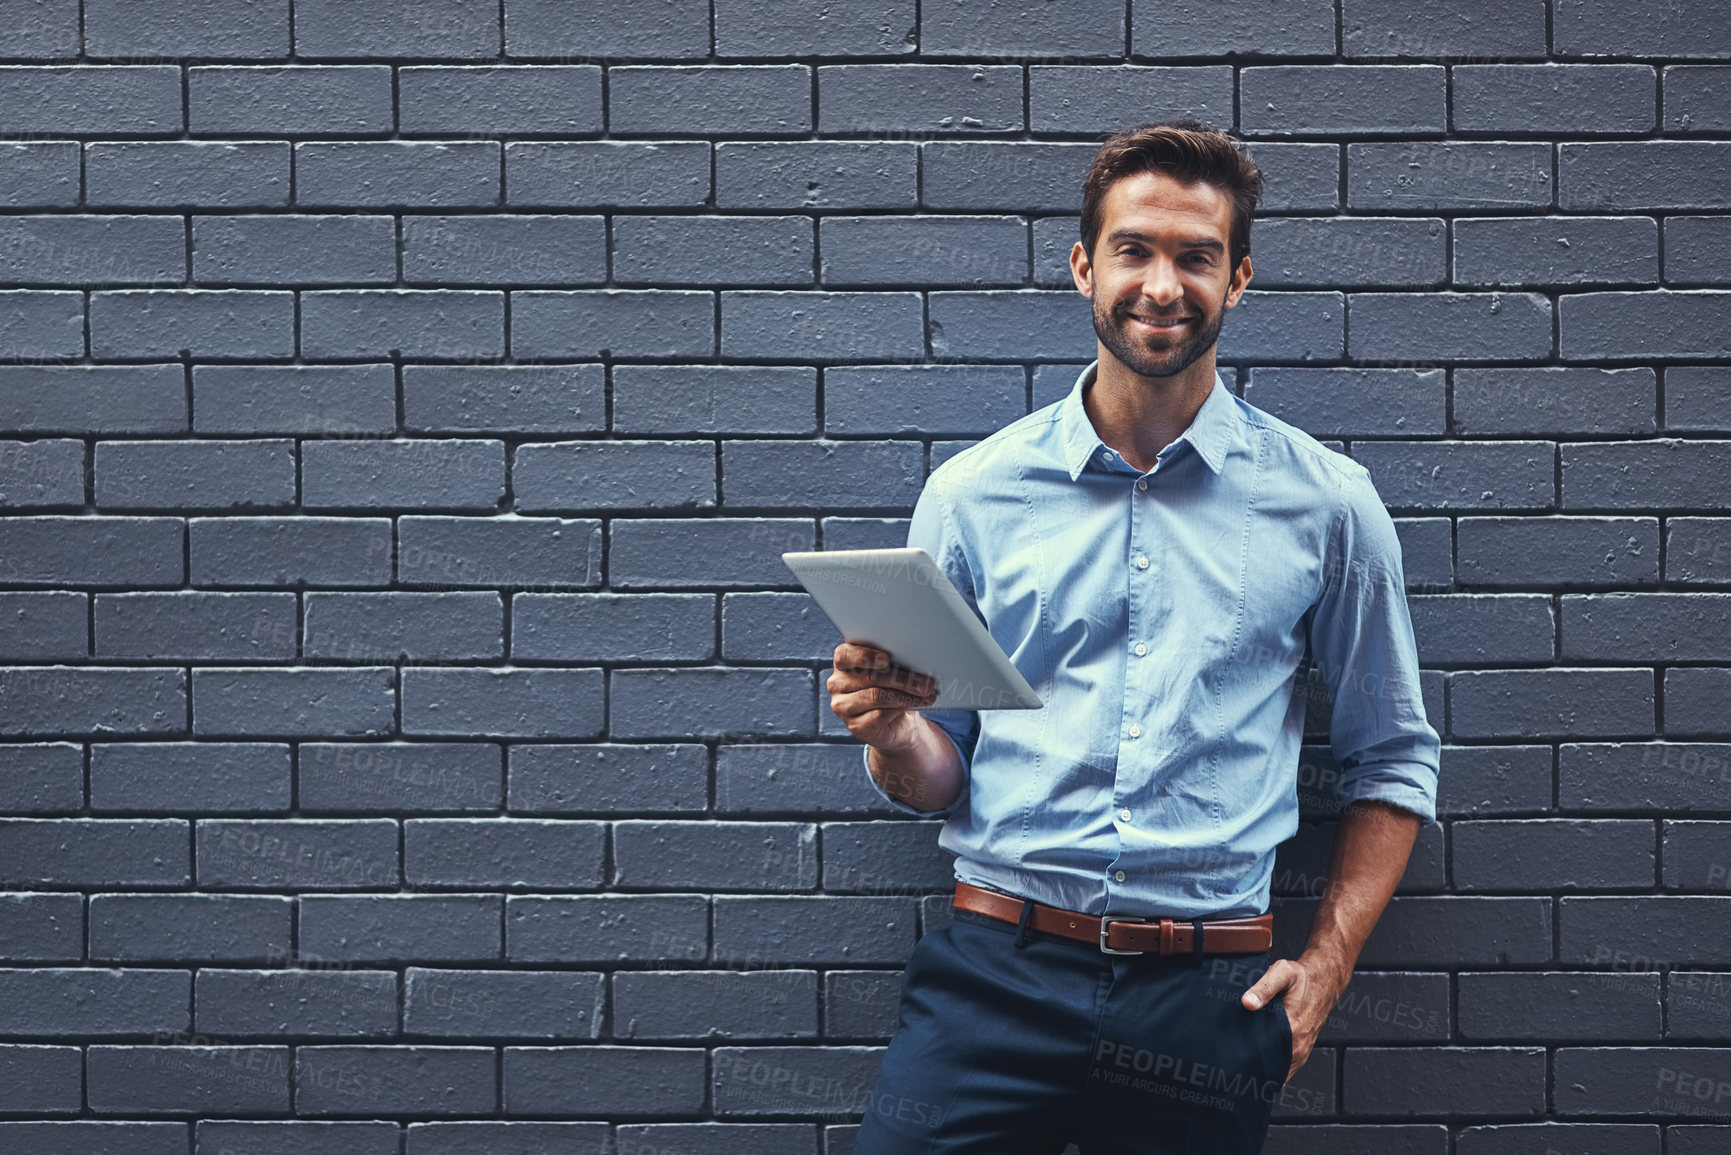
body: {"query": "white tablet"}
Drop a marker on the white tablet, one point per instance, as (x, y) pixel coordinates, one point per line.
(899, 601)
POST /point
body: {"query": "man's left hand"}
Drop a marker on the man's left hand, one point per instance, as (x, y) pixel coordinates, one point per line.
(1310, 989)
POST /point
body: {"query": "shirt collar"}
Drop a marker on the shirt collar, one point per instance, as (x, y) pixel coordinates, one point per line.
(1209, 433)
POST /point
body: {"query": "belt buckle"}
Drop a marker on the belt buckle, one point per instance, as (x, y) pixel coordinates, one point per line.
(1106, 922)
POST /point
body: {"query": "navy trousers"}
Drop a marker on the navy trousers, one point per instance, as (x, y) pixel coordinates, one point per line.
(1007, 1049)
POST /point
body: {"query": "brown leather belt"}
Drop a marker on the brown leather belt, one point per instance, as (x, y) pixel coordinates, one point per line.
(1126, 934)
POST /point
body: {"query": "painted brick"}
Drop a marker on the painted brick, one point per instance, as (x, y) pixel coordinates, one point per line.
(1343, 99)
(345, 1003)
(1554, 400)
(94, 1002)
(1436, 175)
(1005, 325)
(449, 29)
(606, 174)
(681, 399)
(613, 323)
(1352, 402)
(1335, 251)
(614, 475)
(215, 323)
(41, 325)
(504, 250)
(186, 1080)
(1444, 1080)
(195, 626)
(468, 1138)
(908, 400)
(514, 703)
(109, 100)
(297, 1138)
(436, 324)
(1452, 28)
(1603, 27)
(951, 250)
(92, 250)
(421, 1081)
(1285, 326)
(712, 250)
(424, 777)
(712, 855)
(42, 1080)
(1696, 701)
(711, 702)
(766, 325)
(504, 398)
(189, 927)
(1020, 27)
(250, 854)
(399, 928)
(890, 100)
(393, 174)
(1655, 627)
(1095, 99)
(92, 551)
(1697, 98)
(356, 627)
(1535, 99)
(512, 1004)
(39, 778)
(1661, 473)
(39, 174)
(255, 551)
(194, 474)
(187, 174)
(817, 174)
(294, 250)
(41, 29)
(607, 928)
(612, 627)
(1697, 549)
(1461, 474)
(802, 929)
(547, 99)
(176, 777)
(1234, 27)
(45, 626)
(606, 778)
(1483, 630)
(772, 627)
(1556, 251)
(547, 854)
(771, 99)
(1696, 396)
(629, 1081)
(1697, 251)
(997, 176)
(1558, 702)
(1554, 854)
(1673, 777)
(636, 28)
(1656, 174)
(1522, 552)
(61, 700)
(295, 100)
(1491, 326)
(1298, 177)
(811, 27)
(549, 552)
(794, 778)
(214, 29)
(308, 703)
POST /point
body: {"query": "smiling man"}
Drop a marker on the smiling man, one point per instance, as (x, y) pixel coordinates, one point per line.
(1157, 557)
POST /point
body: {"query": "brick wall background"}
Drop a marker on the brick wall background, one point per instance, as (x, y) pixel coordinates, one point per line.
(413, 743)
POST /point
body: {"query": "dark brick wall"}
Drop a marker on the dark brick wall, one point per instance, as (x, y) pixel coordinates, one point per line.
(413, 744)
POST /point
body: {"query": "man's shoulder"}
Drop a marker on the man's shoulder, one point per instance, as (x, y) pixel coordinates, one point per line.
(1004, 451)
(1301, 451)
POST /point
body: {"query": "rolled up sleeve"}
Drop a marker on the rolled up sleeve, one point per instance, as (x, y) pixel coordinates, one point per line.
(1361, 638)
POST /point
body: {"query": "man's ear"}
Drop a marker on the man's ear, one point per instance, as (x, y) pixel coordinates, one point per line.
(1082, 270)
(1240, 278)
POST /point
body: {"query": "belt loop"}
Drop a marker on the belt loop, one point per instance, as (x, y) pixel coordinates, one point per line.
(1022, 923)
(1196, 942)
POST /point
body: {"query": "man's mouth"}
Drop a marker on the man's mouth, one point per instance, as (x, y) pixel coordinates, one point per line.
(1161, 324)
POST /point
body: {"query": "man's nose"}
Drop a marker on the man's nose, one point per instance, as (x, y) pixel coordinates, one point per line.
(1161, 284)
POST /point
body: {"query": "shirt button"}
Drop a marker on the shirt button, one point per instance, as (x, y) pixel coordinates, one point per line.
(1119, 876)
(1141, 650)
(1142, 485)
(1135, 730)
(1124, 814)
(1141, 561)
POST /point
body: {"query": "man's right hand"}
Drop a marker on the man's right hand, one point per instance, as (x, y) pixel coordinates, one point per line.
(876, 699)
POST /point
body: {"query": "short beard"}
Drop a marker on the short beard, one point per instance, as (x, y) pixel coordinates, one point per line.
(1111, 332)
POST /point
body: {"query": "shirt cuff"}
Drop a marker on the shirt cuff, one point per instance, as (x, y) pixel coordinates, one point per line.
(1394, 787)
(903, 807)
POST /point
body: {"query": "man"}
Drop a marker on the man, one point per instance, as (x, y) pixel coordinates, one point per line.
(1157, 557)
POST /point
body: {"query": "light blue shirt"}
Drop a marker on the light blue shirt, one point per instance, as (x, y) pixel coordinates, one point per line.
(1162, 617)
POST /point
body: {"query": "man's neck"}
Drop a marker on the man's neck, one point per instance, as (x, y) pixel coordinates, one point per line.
(1139, 416)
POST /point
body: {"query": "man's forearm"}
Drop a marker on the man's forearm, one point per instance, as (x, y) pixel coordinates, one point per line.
(927, 776)
(1371, 847)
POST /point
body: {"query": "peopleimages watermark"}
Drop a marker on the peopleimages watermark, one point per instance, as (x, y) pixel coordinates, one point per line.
(1189, 1080)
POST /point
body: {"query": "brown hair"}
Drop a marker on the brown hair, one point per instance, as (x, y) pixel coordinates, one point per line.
(1190, 152)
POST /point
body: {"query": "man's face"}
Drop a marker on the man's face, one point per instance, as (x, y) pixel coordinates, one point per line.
(1160, 276)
